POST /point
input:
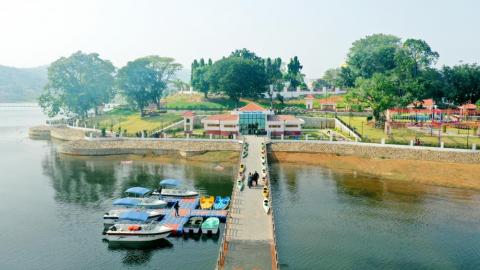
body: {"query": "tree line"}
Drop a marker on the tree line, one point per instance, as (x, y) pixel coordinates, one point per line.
(243, 74)
(382, 72)
(82, 82)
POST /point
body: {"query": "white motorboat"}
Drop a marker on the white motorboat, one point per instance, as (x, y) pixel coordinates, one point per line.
(142, 195)
(178, 192)
(132, 227)
(126, 205)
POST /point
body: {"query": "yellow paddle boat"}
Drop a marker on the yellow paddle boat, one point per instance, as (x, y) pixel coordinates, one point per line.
(265, 192)
(206, 202)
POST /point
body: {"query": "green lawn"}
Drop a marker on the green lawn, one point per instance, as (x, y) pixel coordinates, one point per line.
(132, 122)
(403, 135)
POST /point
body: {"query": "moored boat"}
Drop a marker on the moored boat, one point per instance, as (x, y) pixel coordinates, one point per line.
(128, 204)
(240, 184)
(265, 192)
(193, 225)
(266, 205)
(221, 203)
(132, 227)
(210, 225)
(142, 195)
(178, 192)
(206, 202)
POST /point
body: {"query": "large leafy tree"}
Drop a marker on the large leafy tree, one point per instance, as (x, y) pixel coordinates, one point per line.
(380, 92)
(294, 73)
(462, 83)
(373, 54)
(165, 69)
(246, 54)
(77, 84)
(239, 77)
(143, 80)
(333, 77)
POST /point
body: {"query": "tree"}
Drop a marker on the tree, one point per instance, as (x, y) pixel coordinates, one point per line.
(143, 80)
(246, 54)
(380, 92)
(165, 69)
(134, 81)
(77, 84)
(320, 83)
(274, 74)
(415, 56)
(238, 77)
(462, 82)
(332, 77)
(373, 54)
(201, 77)
(294, 75)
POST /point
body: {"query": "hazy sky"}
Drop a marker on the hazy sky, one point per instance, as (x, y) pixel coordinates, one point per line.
(37, 32)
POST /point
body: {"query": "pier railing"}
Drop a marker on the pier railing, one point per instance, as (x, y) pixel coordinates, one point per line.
(275, 265)
(228, 231)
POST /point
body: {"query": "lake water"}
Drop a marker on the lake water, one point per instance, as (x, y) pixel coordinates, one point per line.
(51, 209)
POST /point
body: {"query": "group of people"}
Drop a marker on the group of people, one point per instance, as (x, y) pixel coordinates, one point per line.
(253, 178)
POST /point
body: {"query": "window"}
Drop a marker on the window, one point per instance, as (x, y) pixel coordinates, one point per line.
(188, 120)
(291, 126)
(274, 126)
(229, 126)
(213, 125)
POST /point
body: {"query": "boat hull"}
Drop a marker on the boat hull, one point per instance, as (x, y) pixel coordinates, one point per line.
(135, 238)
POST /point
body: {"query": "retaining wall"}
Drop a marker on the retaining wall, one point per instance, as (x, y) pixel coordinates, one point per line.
(182, 147)
(371, 150)
(56, 132)
(317, 122)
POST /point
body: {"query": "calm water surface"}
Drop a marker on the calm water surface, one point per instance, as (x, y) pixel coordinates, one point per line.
(328, 220)
(51, 210)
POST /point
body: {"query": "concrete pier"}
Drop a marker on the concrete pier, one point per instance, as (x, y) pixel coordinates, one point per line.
(249, 241)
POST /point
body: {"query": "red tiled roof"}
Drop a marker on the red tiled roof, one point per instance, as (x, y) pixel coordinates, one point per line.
(425, 103)
(188, 114)
(468, 106)
(222, 117)
(309, 96)
(326, 101)
(252, 107)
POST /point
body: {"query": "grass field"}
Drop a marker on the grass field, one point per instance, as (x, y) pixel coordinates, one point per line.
(131, 121)
(403, 135)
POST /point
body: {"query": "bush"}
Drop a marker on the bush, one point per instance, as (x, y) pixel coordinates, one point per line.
(369, 118)
(104, 132)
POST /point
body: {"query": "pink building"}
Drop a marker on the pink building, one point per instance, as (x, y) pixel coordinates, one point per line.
(252, 119)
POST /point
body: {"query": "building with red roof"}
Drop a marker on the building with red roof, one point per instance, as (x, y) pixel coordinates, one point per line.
(428, 104)
(252, 119)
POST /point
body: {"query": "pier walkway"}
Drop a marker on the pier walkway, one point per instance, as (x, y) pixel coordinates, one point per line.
(249, 241)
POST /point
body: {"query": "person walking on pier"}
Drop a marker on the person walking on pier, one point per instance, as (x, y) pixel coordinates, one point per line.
(255, 178)
(250, 179)
(176, 206)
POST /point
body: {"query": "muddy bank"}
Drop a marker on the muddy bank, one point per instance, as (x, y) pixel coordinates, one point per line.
(425, 172)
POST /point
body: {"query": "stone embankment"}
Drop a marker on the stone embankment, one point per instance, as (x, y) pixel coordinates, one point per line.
(56, 132)
(127, 146)
(381, 151)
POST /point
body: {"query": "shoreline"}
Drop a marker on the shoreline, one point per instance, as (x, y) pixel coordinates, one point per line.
(445, 174)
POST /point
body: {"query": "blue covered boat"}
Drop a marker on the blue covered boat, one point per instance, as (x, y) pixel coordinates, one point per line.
(143, 196)
(221, 203)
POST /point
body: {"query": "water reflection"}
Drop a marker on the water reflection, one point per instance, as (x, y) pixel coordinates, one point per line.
(90, 180)
(138, 254)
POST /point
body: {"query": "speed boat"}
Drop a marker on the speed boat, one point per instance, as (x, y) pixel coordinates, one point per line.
(133, 226)
(169, 187)
(178, 192)
(266, 205)
(125, 205)
(143, 196)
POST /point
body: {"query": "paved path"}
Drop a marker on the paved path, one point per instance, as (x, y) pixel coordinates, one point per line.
(250, 237)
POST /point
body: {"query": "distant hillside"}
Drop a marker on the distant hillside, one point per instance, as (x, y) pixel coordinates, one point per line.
(21, 84)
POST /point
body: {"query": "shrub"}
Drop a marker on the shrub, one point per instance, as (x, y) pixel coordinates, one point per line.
(104, 132)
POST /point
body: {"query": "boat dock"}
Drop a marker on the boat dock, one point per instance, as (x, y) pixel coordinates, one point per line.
(187, 208)
(249, 237)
